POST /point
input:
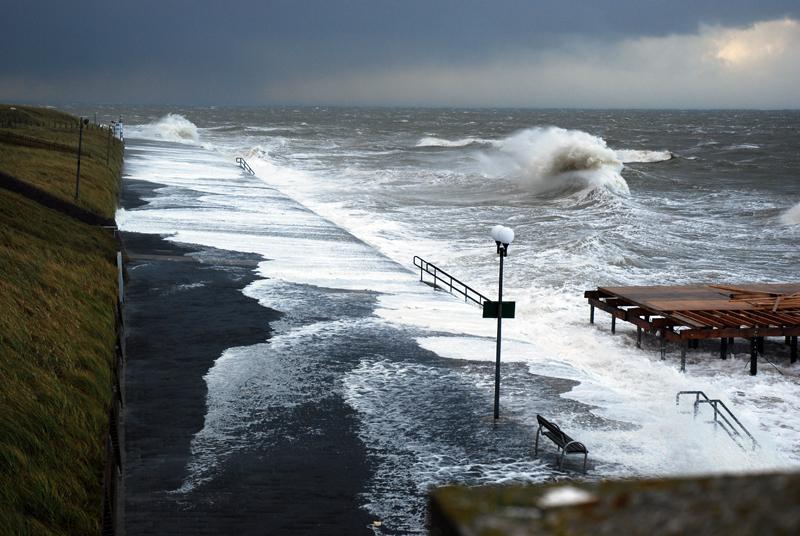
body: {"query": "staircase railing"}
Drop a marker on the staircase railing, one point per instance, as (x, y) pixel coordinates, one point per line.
(445, 281)
(723, 417)
(244, 165)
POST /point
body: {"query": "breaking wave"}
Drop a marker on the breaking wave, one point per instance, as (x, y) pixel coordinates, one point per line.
(171, 127)
(792, 216)
(629, 156)
(440, 142)
(552, 160)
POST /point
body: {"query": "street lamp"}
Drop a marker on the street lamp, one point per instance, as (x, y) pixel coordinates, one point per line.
(83, 121)
(503, 236)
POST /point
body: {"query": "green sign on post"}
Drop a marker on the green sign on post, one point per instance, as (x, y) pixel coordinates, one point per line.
(490, 309)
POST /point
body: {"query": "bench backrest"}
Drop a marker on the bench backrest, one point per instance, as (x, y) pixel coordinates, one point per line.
(553, 429)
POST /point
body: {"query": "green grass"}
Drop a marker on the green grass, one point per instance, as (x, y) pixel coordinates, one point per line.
(57, 337)
(55, 170)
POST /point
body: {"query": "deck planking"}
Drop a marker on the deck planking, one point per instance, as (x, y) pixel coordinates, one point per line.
(684, 313)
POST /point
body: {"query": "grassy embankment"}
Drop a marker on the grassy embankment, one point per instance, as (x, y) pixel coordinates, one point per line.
(57, 326)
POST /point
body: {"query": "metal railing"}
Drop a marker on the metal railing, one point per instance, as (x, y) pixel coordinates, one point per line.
(244, 165)
(448, 282)
(722, 417)
(113, 466)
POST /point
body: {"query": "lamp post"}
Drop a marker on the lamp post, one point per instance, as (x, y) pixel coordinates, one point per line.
(83, 121)
(503, 236)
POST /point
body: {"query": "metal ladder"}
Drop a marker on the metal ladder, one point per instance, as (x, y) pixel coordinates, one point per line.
(244, 165)
(722, 418)
(448, 282)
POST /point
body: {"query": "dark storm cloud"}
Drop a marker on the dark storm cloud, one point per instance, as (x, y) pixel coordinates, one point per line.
(237, 52)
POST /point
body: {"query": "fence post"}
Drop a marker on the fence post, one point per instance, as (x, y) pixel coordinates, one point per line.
(120, 279)
(78, 172)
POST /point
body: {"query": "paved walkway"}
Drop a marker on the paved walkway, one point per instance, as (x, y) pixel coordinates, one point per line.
(181, 316)
(317, 419)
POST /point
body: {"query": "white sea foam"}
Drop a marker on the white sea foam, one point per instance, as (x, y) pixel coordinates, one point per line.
(792, 216)
(550, 335)
(171, 127)
(244, 385)
(628, 387)
(623, 382)
(554, 160)
(630, 156)
(419, 447)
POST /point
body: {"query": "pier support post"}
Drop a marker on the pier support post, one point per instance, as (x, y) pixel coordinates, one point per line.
(613, 324)
(753, 356)
(638, 336)
(591, 314)
(787, 340)
(663, 346)
(684, 346)
(793, 349)
(723, 348)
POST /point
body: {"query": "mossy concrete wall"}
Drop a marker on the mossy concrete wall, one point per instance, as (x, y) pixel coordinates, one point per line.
(724, 505)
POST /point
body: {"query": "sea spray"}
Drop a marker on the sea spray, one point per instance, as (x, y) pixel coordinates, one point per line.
(792, 216)
(552, 160)
(171, 127)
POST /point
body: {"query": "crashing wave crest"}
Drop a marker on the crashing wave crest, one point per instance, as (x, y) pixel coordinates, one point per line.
(792, 216)
(554, 160)
(171, 127)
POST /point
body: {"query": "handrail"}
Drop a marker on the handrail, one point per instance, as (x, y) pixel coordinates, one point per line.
(725, 424)
(244, 165)
(732, 430)
(697, 394)
(452, 283)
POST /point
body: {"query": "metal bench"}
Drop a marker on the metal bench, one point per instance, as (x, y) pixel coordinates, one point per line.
(566, 445)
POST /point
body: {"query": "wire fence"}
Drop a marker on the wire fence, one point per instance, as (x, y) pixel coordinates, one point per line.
(113, 456)
(15, 122)
(112, 468)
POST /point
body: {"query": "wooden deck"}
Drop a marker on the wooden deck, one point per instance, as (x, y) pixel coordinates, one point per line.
(688, 313)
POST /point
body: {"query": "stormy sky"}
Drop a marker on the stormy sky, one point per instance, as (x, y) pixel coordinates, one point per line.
(585, 54)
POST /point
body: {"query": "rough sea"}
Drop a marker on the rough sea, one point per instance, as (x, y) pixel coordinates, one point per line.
(343, 199)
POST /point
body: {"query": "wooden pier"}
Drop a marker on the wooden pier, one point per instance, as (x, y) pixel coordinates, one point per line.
(686, 314)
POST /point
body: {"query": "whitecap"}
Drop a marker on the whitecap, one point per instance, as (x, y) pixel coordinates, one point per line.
(430, 141)
(743, 146)
(629, 156)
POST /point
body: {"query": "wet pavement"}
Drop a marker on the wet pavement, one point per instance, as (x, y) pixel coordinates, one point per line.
(267, 405)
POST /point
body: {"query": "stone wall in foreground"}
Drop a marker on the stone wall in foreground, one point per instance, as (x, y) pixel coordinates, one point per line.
(729, 505)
